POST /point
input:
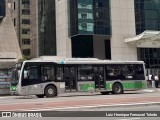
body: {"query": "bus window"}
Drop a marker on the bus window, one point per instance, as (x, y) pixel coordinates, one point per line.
(128, 71)
(85, 73)
(30, 75)
(113, 72)
(59, 73)
(47, 73)
(139, 72)
(133, 71)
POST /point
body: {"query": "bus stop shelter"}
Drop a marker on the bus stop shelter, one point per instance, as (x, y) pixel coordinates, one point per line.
(147, 39)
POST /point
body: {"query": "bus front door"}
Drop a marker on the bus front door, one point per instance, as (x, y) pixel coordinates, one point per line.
(99, 77)
(70, 78)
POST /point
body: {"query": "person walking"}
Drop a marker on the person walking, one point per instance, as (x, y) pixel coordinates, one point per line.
(156, 80)
(153, 81)
(149, 80)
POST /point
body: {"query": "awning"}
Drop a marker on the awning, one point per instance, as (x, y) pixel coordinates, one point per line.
(148, 38)
(146, 35)
(7, 63)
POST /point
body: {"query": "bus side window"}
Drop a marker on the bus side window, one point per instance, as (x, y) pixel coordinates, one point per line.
(59, 73)
(47, 73)
(113, 72)
(85, 73)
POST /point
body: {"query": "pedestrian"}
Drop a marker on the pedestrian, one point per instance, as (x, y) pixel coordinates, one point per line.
(156, 80)
(153, 81)
(149, 80)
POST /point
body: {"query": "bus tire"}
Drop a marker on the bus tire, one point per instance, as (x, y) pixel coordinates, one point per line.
(40, 96)
(117, 88)
(50, 91)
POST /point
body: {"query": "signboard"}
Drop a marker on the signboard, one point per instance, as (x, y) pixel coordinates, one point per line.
(4, 85)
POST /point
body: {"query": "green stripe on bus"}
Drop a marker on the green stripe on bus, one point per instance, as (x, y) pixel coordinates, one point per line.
(128, 85)
(88, 87)
(133, 85)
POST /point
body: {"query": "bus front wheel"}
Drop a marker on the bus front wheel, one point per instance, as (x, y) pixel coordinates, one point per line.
(50, 91)
(117, 88)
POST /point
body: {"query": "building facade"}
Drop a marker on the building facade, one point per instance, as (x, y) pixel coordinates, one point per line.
(96, 28)
(147, 15)
(21, 16)
(9, 47)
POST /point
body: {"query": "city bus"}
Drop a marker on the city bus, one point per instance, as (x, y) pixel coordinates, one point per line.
(50, 77)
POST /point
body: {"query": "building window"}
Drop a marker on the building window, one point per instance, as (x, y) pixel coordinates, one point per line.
(25, 1)
(14, 5)
(26, 52)
(26, 41)
(99, 4)
(25, 31)
(26, 21)
(25, 12)
(84, 16)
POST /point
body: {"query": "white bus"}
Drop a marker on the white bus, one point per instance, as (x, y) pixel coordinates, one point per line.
(50, 77)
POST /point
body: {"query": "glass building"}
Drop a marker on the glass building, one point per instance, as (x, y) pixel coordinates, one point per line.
(47, 27)
(147, 16)
(88, 18)
(2, 8)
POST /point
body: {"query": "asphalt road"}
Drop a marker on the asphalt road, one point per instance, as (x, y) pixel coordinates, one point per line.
(73, 101)
(91, 104)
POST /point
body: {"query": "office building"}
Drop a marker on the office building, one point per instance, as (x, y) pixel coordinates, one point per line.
(105, 29)
(20, 10)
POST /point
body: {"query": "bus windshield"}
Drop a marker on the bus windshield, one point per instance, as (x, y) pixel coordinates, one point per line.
(16, 74)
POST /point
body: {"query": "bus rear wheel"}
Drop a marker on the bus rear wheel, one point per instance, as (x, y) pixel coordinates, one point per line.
(50, 91)
(117, 88)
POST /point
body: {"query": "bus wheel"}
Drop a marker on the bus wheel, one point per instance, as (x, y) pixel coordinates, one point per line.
(117, 88)
(40, 96)
(50, 91)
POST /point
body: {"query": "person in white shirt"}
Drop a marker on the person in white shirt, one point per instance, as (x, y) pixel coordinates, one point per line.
(149, 80)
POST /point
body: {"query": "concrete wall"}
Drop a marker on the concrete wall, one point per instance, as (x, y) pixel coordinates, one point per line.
(99, 46)
(62, 24)
(9, 47)
(123, 26)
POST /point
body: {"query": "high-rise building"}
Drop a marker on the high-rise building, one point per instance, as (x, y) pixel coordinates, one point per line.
(20, 10)
(105, 29)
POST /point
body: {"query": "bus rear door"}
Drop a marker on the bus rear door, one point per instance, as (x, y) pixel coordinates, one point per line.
(70, 78)
(99, 77)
